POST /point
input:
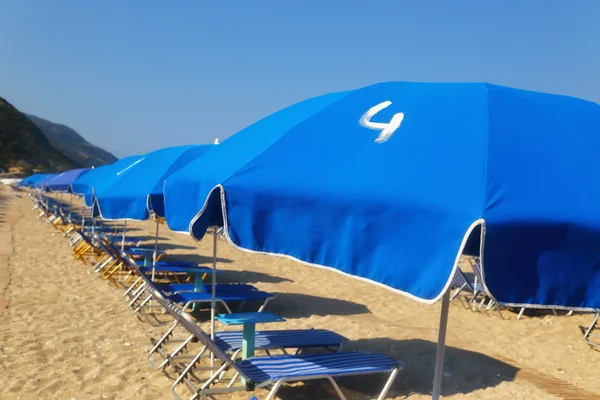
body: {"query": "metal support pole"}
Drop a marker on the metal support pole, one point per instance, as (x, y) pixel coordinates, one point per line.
(441, 348)
(214, 293)
(155, 251)
(123, 239)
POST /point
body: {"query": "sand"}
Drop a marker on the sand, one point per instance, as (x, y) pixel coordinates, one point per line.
(65, 334)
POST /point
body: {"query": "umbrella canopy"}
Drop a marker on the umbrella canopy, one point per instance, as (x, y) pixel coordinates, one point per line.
(63, 182)
(31, 180)
(96, 176)
(42, 183)
(138, 189)
(388, 182)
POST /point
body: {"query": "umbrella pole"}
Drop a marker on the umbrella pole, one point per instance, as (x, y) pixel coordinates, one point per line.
(214, 294)
(155, 250)
(123, 238)
(441, 348)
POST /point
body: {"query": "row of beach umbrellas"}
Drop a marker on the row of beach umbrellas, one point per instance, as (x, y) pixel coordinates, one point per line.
(391, 184)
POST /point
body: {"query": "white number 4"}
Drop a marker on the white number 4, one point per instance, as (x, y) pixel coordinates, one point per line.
(387, 130)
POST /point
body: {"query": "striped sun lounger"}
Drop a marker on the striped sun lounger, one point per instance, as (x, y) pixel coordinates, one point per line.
(274, 371)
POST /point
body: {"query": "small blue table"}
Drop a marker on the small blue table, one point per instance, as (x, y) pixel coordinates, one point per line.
(249, 321)
(146, 252)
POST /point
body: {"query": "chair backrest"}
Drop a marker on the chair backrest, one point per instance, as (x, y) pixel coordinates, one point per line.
(460, 280)
(475, 263)
(84, 237)
(192, 327)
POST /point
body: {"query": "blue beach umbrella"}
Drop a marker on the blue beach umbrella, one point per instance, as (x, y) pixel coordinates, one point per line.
(43, 183)
(388, 182)
(133, 193)
(63, 182)
(100, 176)
(137, 190)
(31, 180)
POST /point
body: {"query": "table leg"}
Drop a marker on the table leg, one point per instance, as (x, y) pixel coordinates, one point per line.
(248, 343)
(248, 340)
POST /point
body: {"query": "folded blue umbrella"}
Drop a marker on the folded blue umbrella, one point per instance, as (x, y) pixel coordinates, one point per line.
(387, 183)
(133, 192)
(63, 182)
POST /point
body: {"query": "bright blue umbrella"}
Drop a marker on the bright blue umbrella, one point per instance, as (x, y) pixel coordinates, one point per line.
(31, 180)
(42, 183)
(135, 191)
(99, 176)
(386, 183)
(63, 182)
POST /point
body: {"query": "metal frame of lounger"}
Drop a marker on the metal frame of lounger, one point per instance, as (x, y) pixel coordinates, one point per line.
(588, 335)
(188, 304)
(231, 341)
(150, 287)
(493, 303)
(379, 365)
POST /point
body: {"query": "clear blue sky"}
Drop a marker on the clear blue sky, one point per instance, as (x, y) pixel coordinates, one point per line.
(134, 76)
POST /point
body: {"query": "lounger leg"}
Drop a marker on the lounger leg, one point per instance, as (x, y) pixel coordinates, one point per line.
(273, 391)
(135, 298)
(158, 345)
(499, 311)
(388, 384)
(131, 288)
(146, 300)
(458, 291)
(336, 387)
(264, 304)
(588, 332)
(521, 313)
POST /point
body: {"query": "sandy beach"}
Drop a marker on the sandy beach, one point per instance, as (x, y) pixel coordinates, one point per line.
(65, 334)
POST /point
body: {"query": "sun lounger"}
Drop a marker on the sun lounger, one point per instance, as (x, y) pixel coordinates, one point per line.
(225, 294)
(230, 342)
(461, 283)
(274, 371)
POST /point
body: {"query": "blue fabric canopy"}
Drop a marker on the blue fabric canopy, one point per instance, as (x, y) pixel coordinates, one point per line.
(42, 183)
(132, 192)
(98, 176)
(63, 182)
(31, 180)
(386, 183)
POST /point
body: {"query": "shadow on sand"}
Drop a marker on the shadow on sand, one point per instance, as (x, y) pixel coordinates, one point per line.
(194, 258)
(464, 372)
(295, 305)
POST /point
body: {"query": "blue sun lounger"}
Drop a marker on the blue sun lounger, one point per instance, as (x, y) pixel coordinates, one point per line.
(231, 342)
(274, 371)
(225, 293)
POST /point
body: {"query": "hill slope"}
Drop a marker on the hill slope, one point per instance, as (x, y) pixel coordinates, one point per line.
(23, 143)
(71, 144)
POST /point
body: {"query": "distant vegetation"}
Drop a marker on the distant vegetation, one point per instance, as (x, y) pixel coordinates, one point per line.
(35, 144)
(71, 144)
(23, 144)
